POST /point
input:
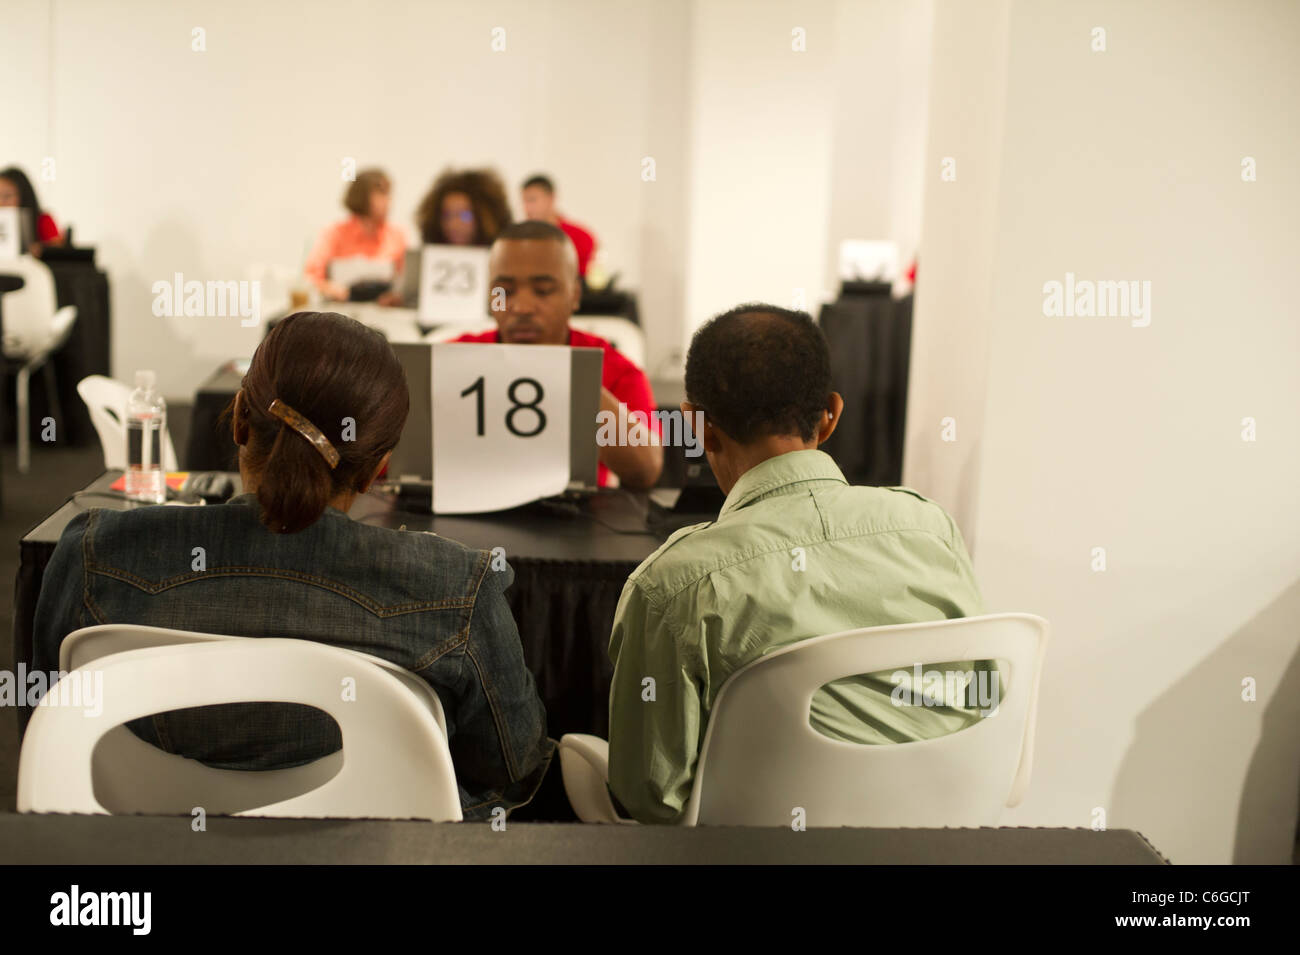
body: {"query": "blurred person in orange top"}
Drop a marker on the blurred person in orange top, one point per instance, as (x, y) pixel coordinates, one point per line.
(366, 233)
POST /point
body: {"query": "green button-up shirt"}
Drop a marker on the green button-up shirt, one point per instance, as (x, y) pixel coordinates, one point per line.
(796, 552)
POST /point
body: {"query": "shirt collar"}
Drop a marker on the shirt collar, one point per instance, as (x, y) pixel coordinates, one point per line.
(780, 472)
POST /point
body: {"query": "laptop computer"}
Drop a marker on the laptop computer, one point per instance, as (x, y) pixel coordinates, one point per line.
(411, 466)
(408, 286)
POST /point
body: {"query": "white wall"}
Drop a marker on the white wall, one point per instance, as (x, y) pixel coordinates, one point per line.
(953, 296)
(793, 151)
(760, 118)
(881, 77)
(204, 163)
(1126, 164)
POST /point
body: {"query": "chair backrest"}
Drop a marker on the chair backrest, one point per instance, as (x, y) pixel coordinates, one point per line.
(83, 647)
(762, 760)
(29, 312)
(394, 763)
(626, 336)
(106, 401)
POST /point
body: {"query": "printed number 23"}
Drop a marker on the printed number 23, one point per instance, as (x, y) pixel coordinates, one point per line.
(452, 277)
(516, 406)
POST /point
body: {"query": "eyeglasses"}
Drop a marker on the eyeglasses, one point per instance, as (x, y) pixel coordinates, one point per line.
(466, 216)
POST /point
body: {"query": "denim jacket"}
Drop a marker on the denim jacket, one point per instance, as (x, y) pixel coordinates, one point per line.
(428, 604)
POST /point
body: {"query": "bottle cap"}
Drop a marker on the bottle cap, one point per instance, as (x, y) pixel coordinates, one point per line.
(145, 379)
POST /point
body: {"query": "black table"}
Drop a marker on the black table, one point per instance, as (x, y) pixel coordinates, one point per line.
(86, 352)
(570, 563)
(163, 840)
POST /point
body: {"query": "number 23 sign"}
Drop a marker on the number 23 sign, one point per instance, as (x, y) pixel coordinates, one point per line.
(453, 284)
(500, 425)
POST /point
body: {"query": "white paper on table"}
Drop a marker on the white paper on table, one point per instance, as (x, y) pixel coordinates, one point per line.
(348, 272)
(11, 240)
(868, 260)
(453, 284)
(499, 469)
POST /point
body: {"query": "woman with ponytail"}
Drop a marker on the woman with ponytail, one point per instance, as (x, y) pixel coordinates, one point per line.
(321, 409)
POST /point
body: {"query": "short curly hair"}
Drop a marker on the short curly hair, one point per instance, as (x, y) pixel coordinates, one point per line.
(487, 196)
(760, 370)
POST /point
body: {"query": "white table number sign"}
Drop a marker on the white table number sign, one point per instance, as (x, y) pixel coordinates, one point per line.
(500, 425)
(453, 284)
(11, 243)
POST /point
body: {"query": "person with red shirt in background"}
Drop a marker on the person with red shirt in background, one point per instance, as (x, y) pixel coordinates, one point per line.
(535, 267)
(539, 204)
(17, 190)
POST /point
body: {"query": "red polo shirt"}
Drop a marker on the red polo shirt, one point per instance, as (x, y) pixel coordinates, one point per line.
(583, 242)
(625, 381)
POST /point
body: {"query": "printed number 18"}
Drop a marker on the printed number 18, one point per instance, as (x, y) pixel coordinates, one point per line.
(516, 406)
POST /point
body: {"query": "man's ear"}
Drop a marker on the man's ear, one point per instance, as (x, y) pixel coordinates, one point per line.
(830, 417)
(708, 435)
(576, 298)
(239, 419)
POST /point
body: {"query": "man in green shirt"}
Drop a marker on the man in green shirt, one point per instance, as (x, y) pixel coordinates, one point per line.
(796, 552)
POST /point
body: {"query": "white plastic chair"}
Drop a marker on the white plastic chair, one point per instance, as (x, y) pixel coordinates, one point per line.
(394, 764)
(626, 336)
(106, 400)
(761, 758)
(34, 329)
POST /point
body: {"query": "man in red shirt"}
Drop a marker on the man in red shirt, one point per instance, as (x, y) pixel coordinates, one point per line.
(539, 204)
(534, 290)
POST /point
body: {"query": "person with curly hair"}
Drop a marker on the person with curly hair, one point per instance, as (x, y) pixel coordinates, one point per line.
(464, 207)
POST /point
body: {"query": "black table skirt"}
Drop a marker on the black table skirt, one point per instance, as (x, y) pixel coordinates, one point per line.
(87, 352)
(870, 340)
(565, 611)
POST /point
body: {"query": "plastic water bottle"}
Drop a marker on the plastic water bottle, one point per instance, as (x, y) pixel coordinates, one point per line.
(146, 423)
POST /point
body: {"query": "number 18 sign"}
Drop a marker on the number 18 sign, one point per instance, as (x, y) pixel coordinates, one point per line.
(500, 425)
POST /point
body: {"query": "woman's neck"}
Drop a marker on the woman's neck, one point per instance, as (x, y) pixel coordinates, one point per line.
(341, 501)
